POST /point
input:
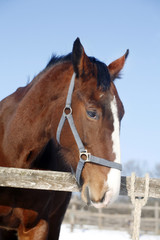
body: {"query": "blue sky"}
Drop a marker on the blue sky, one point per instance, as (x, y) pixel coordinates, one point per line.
(30, 31)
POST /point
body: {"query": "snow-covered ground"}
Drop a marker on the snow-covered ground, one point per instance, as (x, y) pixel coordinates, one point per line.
(94, 234)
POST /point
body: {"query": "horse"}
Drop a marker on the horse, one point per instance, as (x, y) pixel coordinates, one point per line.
(66, 119)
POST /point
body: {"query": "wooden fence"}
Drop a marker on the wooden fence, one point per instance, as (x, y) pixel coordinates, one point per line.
(60, 181)
(118, 216)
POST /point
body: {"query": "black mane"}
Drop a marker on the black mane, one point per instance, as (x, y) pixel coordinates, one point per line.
(57, 59)
(103, 76)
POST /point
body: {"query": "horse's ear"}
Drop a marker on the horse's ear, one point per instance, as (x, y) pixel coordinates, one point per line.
(80, 60)
(116, 66)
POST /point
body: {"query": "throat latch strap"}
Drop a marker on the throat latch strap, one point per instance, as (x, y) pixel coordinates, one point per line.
(67, 114)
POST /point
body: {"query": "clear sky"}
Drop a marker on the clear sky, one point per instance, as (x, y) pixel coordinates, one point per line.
(30, 31)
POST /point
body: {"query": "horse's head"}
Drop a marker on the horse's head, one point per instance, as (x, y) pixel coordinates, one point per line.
(97, 111)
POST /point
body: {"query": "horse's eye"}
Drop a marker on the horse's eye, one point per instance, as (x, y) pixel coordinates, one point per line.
(92, 114)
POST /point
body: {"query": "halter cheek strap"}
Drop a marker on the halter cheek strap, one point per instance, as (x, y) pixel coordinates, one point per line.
(67, 114)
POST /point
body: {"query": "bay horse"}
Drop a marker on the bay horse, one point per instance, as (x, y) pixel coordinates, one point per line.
(66, 119)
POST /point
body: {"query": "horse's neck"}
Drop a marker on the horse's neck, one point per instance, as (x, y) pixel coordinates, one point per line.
(36, 118)
(53, 158)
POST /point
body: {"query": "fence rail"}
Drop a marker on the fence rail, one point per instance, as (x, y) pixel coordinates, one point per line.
(61, 181)
(50, 180)
(116, 217)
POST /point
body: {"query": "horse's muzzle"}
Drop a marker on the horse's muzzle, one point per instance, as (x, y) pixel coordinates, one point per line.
(97, 202)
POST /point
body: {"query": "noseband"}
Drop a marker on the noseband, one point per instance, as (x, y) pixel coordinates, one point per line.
(67, 114)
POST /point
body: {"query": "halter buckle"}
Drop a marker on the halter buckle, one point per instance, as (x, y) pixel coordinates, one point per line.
(85, 155)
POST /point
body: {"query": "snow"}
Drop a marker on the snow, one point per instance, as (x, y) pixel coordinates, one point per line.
(95, 234)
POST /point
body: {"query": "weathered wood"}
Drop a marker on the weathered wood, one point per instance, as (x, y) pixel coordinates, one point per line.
(37, 179)
(61, 181)
(154, 187)
(115, 217)
(156, 214)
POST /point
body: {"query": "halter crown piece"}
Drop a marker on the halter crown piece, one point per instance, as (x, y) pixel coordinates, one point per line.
(67, 114)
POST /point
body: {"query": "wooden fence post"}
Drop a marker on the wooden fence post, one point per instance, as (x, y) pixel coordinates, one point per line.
(72, 217)
(156, 214)
(100, 220)
(131, 221)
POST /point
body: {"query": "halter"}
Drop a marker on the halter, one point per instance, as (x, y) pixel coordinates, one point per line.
(67, 114)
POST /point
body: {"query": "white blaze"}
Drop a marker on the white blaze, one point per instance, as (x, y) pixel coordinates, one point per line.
(114, 175)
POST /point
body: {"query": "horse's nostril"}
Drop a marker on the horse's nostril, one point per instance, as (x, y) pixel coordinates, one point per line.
(103, 198)
(87, 195)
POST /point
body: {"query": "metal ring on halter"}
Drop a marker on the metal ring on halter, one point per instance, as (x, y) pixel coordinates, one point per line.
(67, 108)
(86, 155)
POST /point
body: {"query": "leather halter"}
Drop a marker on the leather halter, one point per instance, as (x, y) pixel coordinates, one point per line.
(67, 114)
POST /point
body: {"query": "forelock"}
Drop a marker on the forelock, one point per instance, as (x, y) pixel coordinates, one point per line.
(103, 76)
